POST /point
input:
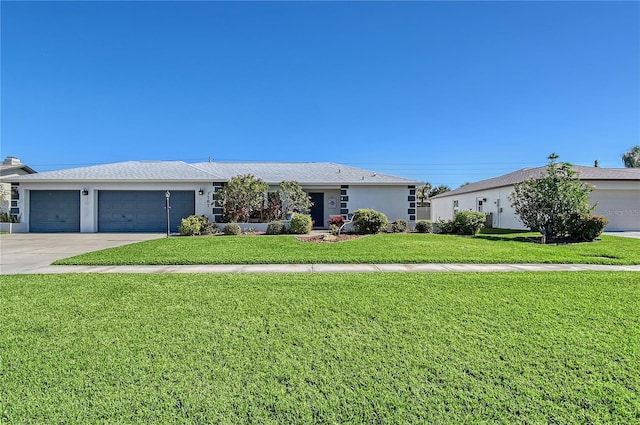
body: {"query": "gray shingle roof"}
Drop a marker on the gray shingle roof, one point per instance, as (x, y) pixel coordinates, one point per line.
(303, 172)
(126, 171)
(585, 173)
(307, 173)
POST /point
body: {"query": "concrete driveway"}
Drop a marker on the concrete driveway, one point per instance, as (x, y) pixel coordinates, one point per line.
(29, 252)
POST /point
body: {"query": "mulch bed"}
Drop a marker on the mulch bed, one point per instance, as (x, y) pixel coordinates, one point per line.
(327, 238)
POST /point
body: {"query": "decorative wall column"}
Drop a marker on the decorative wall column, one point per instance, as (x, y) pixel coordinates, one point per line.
(344, 199)
(412, 203)
(217, 210)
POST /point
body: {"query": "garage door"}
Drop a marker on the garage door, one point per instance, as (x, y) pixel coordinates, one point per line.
(620, 207)
(54, 211)
(142, 211)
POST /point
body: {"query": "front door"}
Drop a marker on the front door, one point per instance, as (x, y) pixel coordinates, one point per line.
(317, 210)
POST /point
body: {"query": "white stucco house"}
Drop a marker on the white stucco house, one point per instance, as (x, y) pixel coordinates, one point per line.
(616, 191)
(130, 196)
(11, 168)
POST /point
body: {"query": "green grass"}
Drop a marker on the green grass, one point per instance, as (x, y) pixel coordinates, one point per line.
(383, 248)
(324, 348)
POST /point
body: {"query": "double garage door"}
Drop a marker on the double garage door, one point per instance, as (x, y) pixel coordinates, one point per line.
(118, 210)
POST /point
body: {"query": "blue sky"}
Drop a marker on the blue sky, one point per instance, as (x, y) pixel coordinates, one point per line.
(445, 92)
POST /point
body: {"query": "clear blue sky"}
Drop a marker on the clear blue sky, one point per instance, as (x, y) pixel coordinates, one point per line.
(433, 91)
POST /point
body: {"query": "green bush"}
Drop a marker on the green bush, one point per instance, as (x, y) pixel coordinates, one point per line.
(366, 221)
(399, 226)
(194, 225)
(276, 228)
(232, 229)
(445, 226)
(587, 227)
(300, 224)
(334, 229)
(424, 226)
(464, 223)
(468, 222)
(210, 228)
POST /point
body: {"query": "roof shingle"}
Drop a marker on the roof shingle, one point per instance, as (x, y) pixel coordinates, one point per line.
(584, 173)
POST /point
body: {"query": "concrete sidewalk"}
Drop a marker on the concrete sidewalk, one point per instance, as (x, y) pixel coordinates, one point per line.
(331, 268)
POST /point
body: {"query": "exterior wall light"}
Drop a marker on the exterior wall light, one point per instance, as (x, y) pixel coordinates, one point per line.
(201, 192)
(85, 192)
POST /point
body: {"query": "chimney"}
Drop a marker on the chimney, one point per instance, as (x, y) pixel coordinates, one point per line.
(11, 160)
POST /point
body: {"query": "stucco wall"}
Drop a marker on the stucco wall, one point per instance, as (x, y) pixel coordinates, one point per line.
(390, 200)
(494, 201)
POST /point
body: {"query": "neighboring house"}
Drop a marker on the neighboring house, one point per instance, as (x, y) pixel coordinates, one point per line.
(11, 168)
(616, 193)
(130, 196)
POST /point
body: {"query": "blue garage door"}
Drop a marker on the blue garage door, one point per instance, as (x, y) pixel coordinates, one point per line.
(52, 211)
(142, 211)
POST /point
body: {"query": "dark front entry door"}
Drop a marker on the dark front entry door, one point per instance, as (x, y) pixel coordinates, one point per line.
(317, 210)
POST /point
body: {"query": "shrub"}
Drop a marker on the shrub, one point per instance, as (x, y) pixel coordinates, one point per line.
(300, 224)
(399, 226)
(334, 229)
(232, 229)
(468, 222)
(337, 220)
(210, 228)
(464, 223)
(424, 226)
(587, 227)
(276, 228)
(366, 221)
(193, 225)
(445, 226)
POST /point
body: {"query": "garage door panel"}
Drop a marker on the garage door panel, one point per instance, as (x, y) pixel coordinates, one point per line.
(620, 207)
(142, 211)
(54, 211)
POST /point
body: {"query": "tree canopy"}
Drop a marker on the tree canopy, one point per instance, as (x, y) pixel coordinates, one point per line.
(549, 204)
(631, 159)
(241, 196)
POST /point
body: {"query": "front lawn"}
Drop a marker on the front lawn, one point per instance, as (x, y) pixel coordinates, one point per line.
(380, 249)
(324, 348)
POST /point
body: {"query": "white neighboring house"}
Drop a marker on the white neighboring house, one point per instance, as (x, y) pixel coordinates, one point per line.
(11, 168)
(616, 193)
(130, 196)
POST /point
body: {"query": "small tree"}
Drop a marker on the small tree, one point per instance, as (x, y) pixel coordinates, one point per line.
(241, 196)
(631, 159)
(547, 204)
(293, 198)
(422, 193)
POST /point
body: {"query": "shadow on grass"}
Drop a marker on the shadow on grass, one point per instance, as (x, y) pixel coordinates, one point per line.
(522, 239)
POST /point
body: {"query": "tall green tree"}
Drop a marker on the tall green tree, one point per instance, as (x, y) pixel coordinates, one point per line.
(631, 159)
(548, 204)
(293, 198)
(241, 196)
